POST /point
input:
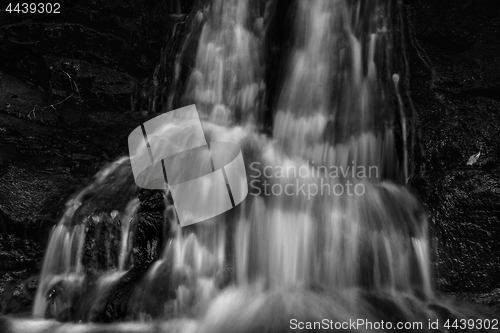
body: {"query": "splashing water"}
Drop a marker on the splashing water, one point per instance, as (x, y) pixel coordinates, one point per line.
(319, 252)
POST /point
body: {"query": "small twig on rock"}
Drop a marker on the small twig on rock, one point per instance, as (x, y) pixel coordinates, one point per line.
(32, 112)
(35, 108)
(60, 102)
(73, 83)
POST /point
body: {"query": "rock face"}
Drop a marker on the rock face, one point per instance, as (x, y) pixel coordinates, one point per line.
(455, 86)
(19, 269)
(92, 51)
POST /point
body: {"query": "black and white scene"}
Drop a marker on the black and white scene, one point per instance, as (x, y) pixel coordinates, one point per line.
(249, 166)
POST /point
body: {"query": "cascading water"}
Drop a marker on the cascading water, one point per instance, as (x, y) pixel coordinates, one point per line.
(227, 83)
(326, 231)
(64, 278)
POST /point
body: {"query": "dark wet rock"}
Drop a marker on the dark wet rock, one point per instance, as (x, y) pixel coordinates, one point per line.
(4, 325)
(126, 35)
(490, 300)
(115, 307)
(455, 74)
(164, 88)
(150, 231)
(20, 260)
(70, 39)
(47, 154)
(85, 69)
(150, 297)
(487, 303)
(90, 54)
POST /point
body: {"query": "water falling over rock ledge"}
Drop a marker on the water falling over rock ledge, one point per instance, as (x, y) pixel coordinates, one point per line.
(118, 254)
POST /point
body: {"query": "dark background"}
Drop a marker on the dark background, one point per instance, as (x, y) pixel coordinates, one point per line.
(73, 85)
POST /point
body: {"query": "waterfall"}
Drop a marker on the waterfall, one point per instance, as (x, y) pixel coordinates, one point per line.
(328, 229)
(334, 111)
